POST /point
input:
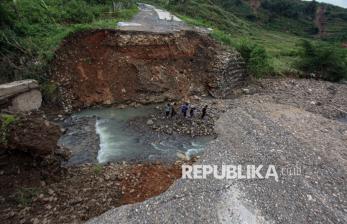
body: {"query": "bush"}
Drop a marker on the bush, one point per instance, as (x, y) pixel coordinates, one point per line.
(98, 169)
(78, 11)
(327, 61)
(259, 63)
(245, 48)
(257, 60)
(5, 120)
(50, 92)
(6, 18)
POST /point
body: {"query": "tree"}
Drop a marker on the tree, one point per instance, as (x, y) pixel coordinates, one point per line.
(326, 61)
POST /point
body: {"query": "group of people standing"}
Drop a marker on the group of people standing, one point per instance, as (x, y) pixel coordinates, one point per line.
(185, 109)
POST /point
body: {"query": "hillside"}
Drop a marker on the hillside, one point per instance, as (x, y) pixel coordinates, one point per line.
(290, 16)
(31, 31)
(277, 25)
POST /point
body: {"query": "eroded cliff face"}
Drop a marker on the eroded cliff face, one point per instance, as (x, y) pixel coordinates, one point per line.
(116, 67)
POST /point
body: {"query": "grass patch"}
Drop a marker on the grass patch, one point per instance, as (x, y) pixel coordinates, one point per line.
(97, 169)
(281, 49)
(24, 196)
(6, 120)
(50, 92)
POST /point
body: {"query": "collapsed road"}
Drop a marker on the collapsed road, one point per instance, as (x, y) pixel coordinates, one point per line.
(287, 126)
(296, 126)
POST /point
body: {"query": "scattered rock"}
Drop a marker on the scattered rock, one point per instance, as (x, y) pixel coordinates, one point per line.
(246, 91)
(344, 135)
(50, 192)
(150, 122)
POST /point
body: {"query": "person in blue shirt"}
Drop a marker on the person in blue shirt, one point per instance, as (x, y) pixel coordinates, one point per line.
(184, 109)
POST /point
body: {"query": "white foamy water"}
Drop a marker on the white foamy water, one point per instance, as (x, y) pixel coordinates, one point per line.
(108, 146)
(120, 143)
(197, 146)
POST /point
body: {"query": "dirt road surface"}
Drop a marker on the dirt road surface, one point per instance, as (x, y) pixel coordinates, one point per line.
(152, 19)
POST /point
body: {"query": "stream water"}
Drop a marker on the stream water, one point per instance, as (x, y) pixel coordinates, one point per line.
(344, 119)
(119, 142)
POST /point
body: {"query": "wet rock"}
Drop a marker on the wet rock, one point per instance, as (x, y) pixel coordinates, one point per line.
(81, 139)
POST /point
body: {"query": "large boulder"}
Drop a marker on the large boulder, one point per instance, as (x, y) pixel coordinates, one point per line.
(20, 96)
(32, 134)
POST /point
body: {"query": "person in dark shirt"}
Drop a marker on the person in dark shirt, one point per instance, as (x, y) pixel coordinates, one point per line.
(173, 111)
(192, 111)
(204, 112)
(167, 110)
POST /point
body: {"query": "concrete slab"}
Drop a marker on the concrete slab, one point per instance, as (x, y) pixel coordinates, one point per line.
(14, 88)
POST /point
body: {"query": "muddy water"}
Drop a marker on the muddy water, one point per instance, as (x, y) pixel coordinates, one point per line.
(119, 142)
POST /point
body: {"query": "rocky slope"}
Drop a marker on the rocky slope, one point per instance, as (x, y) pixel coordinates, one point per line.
(108, 66)
(82, 192)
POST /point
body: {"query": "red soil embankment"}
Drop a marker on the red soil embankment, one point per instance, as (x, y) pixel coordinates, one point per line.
(114, 67)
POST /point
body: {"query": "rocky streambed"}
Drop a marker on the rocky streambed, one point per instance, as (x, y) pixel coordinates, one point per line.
(289, 123)
(287, 112)
(142, 159)
(135, 135)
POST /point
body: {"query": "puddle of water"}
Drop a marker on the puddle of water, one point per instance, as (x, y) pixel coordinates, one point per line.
(120, 143)
(344, 119)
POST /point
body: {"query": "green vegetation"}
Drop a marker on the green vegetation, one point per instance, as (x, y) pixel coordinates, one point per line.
(6, 120)
(97, 169)
(323, 60)
(278, 26)
(31, 30)
(50, 92)
(24, 196)
(256, 58)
